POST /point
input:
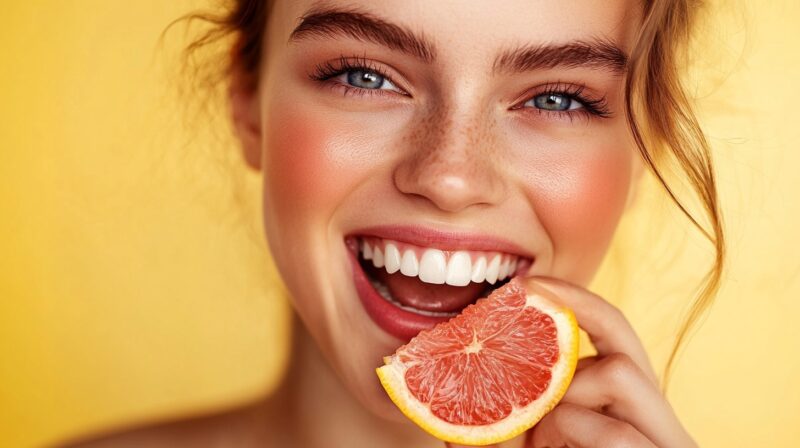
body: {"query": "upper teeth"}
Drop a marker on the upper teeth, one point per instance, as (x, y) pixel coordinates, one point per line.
(457, 268)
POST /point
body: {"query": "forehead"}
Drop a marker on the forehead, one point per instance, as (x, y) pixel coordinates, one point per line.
(463, 30)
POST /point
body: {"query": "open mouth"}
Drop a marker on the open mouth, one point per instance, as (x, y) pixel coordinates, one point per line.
(422, 286)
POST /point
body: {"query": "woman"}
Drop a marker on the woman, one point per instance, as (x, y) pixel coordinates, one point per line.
(516, 128)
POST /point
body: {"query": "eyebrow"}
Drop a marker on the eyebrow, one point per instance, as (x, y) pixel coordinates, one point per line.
(336, 22)
(600, 54)
(365, 27)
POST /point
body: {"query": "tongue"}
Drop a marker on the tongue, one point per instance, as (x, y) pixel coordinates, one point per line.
(411, 291)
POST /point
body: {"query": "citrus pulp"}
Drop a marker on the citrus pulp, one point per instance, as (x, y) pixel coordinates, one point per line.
(489, 373)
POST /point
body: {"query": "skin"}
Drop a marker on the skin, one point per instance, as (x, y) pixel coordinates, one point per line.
(453, 154)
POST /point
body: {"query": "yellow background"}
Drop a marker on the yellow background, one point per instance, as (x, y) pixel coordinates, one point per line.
(133, 281)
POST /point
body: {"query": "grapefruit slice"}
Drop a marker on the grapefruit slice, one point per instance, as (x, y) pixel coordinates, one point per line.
(489, 373)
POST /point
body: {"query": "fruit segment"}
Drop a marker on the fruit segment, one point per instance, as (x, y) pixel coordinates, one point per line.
(489, 373)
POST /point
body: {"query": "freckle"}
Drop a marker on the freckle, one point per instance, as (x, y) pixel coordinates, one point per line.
(425, 138)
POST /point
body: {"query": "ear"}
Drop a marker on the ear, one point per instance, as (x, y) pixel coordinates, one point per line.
(246, 113)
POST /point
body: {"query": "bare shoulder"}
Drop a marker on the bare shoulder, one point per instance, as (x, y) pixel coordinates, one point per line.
(248, 426)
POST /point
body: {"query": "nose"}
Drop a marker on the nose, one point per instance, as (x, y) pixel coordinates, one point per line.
(452, 161)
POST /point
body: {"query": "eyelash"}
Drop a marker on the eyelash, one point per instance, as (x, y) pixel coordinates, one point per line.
(592, 106)
(324, 72)
(327, 70)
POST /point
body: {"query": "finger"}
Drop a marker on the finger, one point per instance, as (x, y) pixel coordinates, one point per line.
(586, 362)
(608, 329)
(617, 387)
(575, 426)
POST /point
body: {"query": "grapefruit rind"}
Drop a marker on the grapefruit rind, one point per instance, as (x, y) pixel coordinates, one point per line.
(392, 377)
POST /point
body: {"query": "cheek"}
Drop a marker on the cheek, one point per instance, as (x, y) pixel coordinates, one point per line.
(315, 158)
(302, 183)
(297, 167)
(308, 169)
(310, 165)
(579, 203)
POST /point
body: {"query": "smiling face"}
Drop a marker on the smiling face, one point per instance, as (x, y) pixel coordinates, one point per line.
(415, 154)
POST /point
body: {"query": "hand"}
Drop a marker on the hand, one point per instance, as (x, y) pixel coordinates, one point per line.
(614, 399)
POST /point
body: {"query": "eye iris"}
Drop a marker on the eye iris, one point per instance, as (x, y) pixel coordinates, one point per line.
(553, 102)
(365, 79)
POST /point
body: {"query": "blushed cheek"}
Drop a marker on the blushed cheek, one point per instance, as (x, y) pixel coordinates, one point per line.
(308, 169)
(295, 166)
(580, 205)
(310, 164)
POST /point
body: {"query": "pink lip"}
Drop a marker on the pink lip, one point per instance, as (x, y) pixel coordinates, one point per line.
(394, 320)
(444, 240)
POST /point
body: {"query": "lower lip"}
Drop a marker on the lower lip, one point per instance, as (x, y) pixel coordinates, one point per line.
(396, 321)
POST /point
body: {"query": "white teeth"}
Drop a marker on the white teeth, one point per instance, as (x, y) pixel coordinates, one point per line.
(366, 250)
(377, 258)
(479, 270)
(459, 269)
(503, 269)
(409, 265)
(433, 267)
(493, 270)
(392, 258)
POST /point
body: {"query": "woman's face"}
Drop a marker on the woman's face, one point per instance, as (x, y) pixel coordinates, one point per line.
(457, 143)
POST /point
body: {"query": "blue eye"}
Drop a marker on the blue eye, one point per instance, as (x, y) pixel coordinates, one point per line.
(356, 75)
(555, 102)
(366, 79)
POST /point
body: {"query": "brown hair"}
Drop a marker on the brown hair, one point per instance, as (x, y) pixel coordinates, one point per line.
(659, 112)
